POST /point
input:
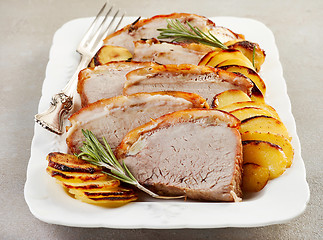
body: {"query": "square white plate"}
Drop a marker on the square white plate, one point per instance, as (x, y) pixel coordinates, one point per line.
(282, 199)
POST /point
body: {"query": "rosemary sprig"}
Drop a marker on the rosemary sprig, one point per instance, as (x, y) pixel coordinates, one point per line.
(178, 32)
(253, 56)
(94, 152)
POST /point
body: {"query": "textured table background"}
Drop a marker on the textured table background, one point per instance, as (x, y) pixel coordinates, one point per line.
(27, 29)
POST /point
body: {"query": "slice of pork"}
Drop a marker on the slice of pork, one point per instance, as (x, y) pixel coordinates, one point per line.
(105, 81)
(197, 153)
(112, 118)
(202, 80)
(153, 50)
(147, 29)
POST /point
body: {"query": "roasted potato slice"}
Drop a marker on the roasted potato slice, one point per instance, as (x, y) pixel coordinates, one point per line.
(264, 124)
(257, 95)
(205, 59)
(228, 97)
(231, 42)
(249, 73)
(70, 163)
(254, 178)
(265, 154)
(110, 183)
(259, 88)
(109, 53)
(113, 197)
(247, 48)
(75, 177)
(230, 62)
(224, 55)
(248, 112)
(238, 105)
(277, 139)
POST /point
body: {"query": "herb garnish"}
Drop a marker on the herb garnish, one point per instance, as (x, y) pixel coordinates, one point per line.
(253, 56)
(94, 152)
(176, 30)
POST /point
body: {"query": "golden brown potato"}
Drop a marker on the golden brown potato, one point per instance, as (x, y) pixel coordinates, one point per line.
(277, 139)
(266, 155)
(112, 197)
(228, 97)
(248, 48)
(231, 42)
(109, 53)
(205, 59)
(235, 61)
(249, 73)
(214, 59)
(254, 178)
(264, 124)
(75, 177)
(109, 183)
(238, 105)
(256, 95)
(70, 163)
(248, 112)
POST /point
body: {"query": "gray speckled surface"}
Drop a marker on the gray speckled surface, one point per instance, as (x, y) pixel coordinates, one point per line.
(27, 29)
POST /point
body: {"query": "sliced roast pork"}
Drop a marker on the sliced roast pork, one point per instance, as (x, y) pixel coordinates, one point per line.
(153, 50)
(105, 81)
(147, 29)
(112, 118)
(203, 80)
(197, 153)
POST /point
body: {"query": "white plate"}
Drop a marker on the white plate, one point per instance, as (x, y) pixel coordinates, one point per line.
(282, 199)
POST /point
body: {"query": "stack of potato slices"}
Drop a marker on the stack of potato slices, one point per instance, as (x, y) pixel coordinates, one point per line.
(267, 148)
(87, 182)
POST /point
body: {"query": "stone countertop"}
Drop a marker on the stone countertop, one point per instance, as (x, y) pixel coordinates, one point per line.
(27, 29)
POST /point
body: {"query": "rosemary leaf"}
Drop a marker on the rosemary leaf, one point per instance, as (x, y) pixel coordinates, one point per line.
(179, 33)
(127, 171)
(95, 153)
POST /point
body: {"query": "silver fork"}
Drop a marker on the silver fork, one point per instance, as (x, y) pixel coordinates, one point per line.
(63, 102)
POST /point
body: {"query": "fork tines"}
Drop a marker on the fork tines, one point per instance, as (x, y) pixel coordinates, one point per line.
(106, 22)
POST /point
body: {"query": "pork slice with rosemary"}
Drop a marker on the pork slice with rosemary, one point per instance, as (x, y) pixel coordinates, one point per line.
(148, 28)
(153, 50)
(194, 152)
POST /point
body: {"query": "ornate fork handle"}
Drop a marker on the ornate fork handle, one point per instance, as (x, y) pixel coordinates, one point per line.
(62, 103)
